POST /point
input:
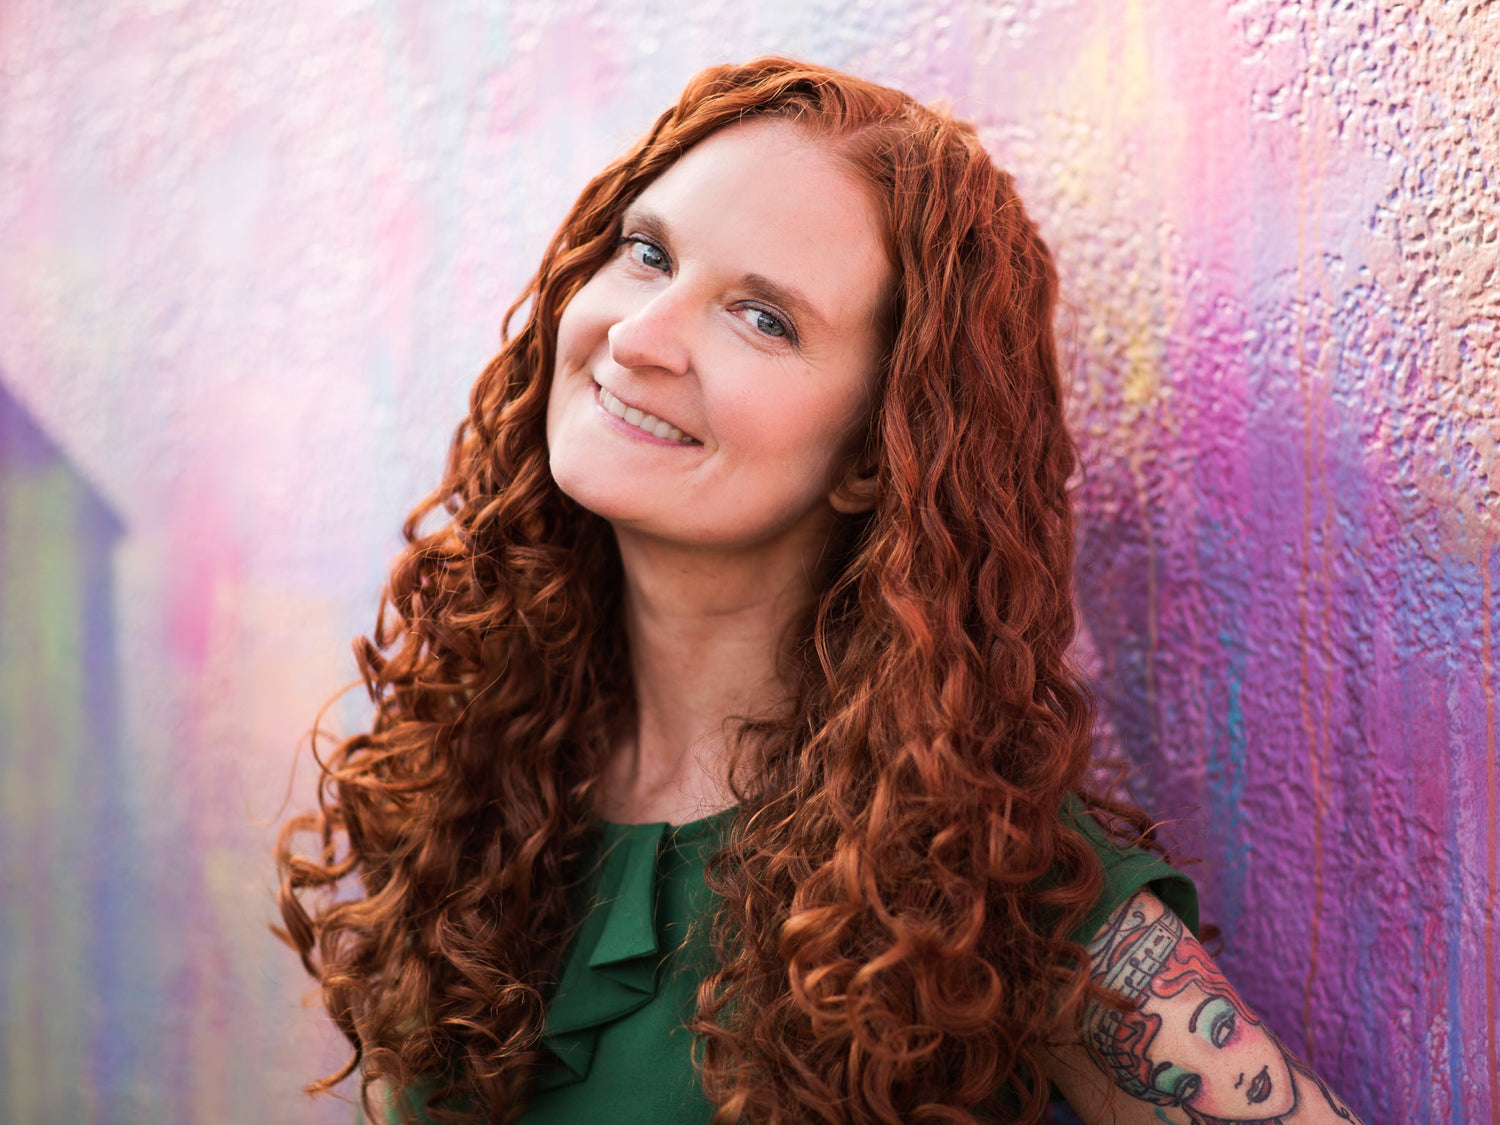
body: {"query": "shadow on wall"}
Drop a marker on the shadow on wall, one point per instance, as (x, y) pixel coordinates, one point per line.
(64, 880)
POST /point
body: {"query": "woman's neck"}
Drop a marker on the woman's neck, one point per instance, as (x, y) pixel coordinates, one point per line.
(705, 634)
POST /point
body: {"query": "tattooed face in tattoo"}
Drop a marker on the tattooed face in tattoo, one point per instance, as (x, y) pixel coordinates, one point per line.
(1189, 1042)
(1208, 1055)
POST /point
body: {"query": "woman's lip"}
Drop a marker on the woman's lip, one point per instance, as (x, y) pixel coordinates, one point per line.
(1260, 1087)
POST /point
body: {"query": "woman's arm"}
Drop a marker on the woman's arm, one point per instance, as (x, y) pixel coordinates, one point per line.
(1186, 1049)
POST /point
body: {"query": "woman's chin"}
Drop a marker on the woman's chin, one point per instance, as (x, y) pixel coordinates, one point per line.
(600, 501)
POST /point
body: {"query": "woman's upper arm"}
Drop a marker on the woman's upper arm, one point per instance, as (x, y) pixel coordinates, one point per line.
(1185, 1048)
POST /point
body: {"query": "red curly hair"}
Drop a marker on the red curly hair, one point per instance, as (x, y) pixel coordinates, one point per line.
(888, 949)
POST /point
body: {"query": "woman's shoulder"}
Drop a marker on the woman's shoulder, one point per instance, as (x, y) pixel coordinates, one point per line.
(1129, 868)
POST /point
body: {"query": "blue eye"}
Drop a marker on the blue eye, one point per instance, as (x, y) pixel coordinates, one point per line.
(769, 325)
(647, 254)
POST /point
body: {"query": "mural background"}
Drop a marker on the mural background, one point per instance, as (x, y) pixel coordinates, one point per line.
(254, 254)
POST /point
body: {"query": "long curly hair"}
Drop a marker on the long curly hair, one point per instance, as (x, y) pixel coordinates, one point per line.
(898, 883)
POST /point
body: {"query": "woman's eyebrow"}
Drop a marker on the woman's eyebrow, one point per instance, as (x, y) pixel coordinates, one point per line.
(798, 307)
(762, 288)
(644, 222)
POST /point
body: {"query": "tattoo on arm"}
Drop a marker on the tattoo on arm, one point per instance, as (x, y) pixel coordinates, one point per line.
(1187, 1041)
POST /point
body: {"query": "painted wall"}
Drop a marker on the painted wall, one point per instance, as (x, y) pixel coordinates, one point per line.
(254, 254)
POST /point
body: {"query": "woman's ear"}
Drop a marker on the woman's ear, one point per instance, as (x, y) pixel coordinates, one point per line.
(856, 493)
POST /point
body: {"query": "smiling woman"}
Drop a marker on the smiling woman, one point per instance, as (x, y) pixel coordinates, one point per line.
(741, 309)
(728, 762)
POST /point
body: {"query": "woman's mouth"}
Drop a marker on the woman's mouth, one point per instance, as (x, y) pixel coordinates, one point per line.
(647, 423)
(1260, 1087)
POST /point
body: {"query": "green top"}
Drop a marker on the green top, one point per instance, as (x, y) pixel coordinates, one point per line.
(630, 979)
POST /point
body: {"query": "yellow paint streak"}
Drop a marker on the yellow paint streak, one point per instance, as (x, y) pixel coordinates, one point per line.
(1140, 386)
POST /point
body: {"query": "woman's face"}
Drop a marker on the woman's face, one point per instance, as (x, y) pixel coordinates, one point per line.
(714, 377)
(1208, 1057)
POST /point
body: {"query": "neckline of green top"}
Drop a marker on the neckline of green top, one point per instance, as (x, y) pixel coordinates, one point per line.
(683, 833)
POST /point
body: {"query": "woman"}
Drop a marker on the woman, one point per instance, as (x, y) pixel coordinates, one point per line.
(754, 554)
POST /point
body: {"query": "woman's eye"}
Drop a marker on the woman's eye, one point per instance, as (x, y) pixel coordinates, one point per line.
(768, 324)
(1176, 1082)
(647, 254)
(1217, 1021)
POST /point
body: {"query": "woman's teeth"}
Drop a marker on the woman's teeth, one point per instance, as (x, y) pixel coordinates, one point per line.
(642, 421)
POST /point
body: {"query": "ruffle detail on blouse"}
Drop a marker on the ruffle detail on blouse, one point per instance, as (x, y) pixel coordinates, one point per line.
(616, 964)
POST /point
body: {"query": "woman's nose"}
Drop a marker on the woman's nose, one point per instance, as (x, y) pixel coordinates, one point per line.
(655, 335)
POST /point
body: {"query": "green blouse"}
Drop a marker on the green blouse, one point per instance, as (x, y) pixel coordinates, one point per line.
(629, 982)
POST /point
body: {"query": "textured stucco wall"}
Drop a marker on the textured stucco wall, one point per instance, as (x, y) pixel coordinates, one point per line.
(254, 254)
